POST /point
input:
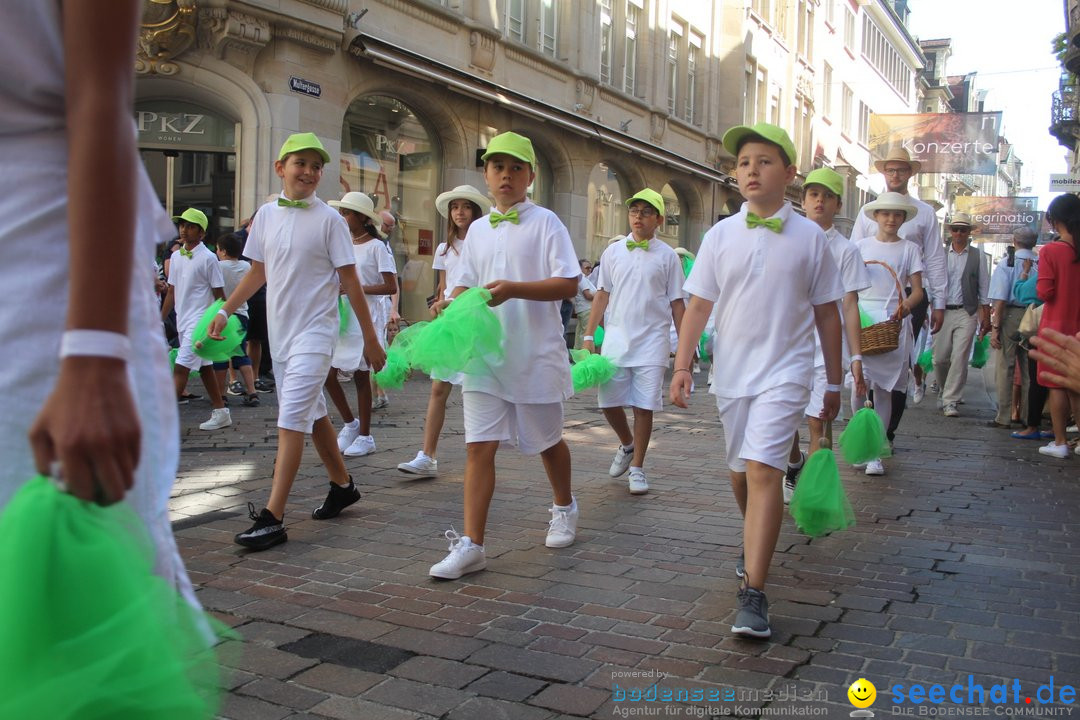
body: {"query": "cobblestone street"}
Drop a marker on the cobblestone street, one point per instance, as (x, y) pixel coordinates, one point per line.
(964, 561)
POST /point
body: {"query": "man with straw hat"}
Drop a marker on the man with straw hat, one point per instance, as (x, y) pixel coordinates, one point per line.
(967, 310)
(923, 230)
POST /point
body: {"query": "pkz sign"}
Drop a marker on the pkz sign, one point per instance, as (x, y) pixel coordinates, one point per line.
(305, 87)
(172, 124)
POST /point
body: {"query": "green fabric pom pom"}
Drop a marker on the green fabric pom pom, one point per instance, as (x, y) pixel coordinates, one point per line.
(981, 353)
(466, 337)
(398, 364)
(217, 350)
(590, 370)
(926, 360)
(687, 264)
(88, 631)
(864, 438)
(819, 505)
(864, 318)
(173, 352)
(343, 311)
(598, 336)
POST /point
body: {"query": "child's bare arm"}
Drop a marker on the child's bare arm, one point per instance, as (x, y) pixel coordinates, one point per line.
(693, 324)
(388, 286)
(596, 314)
(554, 288)
(916, 295)
(829, 330)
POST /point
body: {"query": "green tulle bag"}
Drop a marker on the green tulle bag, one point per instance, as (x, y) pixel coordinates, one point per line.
(217, 350)
(864, 318)
(466, 337)
(926, 360)
(343, 311)
(819, 505)
(864, 438)
(981, 352)
(590, 370)
(398, 357)
(87, 631)
(598, 336)
(173, 352)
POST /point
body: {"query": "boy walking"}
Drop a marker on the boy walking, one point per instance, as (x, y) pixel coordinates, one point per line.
(641, 293)
(301, 249)
(764, 269)
(233, 270)
(195, 281)
(522, 253)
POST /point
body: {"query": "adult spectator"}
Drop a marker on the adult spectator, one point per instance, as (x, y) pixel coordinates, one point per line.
(1024, 291)
(1005, 328)
(583, 301)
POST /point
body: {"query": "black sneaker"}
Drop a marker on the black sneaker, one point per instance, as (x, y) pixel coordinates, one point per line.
(267, 531)
(752, 620)
(336, 500)
(235, 388)
(791, 477)
(251, 400)
(264, 386)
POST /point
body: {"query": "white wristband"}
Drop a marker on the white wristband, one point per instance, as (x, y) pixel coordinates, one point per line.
(856, 357)
(588, 338)
(829, 387)
(222, 313)
(94, 343)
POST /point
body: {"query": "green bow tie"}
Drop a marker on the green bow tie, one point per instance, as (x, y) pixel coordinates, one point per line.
(630, 244)
(283, 202)
(497, 218)
(187, 253)
(775, 224)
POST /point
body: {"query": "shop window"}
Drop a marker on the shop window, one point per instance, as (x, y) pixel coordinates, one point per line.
(607, 213)
(672, 231)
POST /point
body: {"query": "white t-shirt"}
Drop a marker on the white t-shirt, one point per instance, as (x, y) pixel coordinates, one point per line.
(301, 249)
(642, 285)
(583, 306)
(536, 368)
(764, 284)
(448, 262)
(925, 232)
(233, 271)
(193, 277)
(881, 298)
(853, 278)
(373, 258)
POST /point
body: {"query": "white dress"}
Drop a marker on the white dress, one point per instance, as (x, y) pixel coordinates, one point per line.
(34, 276)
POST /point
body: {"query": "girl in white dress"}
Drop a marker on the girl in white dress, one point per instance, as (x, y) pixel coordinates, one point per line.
(889, 371)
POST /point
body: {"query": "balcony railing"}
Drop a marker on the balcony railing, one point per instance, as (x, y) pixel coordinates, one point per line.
(1064, 116)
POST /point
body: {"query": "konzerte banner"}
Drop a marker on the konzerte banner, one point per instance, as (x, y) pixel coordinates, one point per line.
(942, 142)
(995, 218)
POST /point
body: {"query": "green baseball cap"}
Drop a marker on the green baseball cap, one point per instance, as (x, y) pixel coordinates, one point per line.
(828, 179)
(650, 196)
(191, 215)
(510, 143)
(760, 131)
(303, 141)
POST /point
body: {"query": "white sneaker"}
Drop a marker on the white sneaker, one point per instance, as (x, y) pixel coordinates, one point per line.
(919, 394)
(934, 388)
(464, 558)
(874, 467)
(380, 402)
(219, 418)
(1054, 450)
(420, 465)
(1072, 429)
(563, 526)
(621, 462)
(951, 411)
(362, 445)
(638, 484)
(348, 434)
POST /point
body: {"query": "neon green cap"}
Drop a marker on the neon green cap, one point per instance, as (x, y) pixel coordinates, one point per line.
(828, 179)
(650, 196)
(510, 143)
(761, 131)
(191, 215)
(303, 141)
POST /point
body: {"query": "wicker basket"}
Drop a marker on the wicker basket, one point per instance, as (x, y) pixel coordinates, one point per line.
(883, 337)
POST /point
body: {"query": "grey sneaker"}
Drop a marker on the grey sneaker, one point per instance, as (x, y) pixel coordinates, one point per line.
(740, 565)
(752, 620)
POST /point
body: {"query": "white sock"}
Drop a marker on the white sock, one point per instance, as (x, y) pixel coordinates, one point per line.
(634, 467)
(354, 424)
(802, 459)
(567, 508)
(627, 448)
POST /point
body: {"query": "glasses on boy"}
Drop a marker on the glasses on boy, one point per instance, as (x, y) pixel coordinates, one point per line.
(643, 212)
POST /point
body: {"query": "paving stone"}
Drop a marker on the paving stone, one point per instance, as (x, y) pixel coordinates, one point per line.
(439, 671)
(287, 694)
(354, 708)
(506, 686)
(491, 709)
(570, 699)
(536, 664)
(417, 696)
(338, 679)
(357, 654)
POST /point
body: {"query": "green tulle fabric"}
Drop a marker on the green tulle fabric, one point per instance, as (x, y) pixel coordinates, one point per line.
(864, 318)
(466, 337)
(598, 336)
(217, 350)
(864, 438)
(398, 364)
(819, 505)
(981, 353)
(926, 360)
(343, 311)
(590, 370)
(87, 631)
(173, 352)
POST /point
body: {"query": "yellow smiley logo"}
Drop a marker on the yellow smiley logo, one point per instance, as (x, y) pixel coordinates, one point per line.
(862, 693)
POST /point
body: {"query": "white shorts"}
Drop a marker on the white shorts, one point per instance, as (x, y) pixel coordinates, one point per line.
(761, 427)
(640, 387)
(300, 381)
(186, 357)
(532, 427)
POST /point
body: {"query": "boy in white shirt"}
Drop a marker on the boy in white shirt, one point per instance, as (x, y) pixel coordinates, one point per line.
(821, 201)
(195, 281)
(300, 248)
(764, 269)
(233, 270)
(641, 293)
(523, 254)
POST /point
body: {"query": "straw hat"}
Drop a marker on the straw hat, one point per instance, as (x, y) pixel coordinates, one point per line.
(898, 154)
(361, 203)
(960, 218)
(891, 201)
(462, 192)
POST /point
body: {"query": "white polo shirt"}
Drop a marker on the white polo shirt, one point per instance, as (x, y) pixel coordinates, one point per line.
(853, 278)
(373, 258)
(448, 261)
(925, 232)
(536, 368)
(642, 284)
(233, 271)
(764, 285)
(192, 278)
(301, 249)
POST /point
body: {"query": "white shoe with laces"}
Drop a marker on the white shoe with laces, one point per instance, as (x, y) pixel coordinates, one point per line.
(919, 394)
(422, 465)
(563, 526)
(874, 467)
(348, 435)
(465, 557)
(362, 445)
(1054, 450)
(219, 418)
(637, 482)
